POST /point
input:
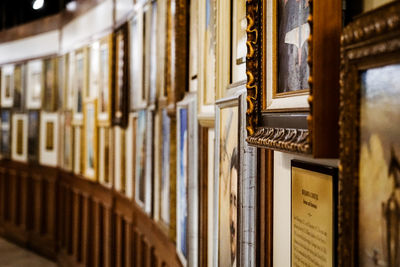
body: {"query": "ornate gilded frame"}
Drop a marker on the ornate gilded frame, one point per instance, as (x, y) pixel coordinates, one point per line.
(372, 40)
(313, 130)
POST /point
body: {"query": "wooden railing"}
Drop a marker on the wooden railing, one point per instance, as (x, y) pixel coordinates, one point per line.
(77, 222)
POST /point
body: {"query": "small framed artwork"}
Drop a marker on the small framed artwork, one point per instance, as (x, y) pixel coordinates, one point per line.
(137, 59)
(79, 84)
(49, 92)
(90, 140)
(5, 134)
(7, 86)
(293, 99)
(69, 92)
(77, 150)
(19, 138)
(67, 142)
(313, 214)
(120, 97)
(165, 182)
(187, 187)
(94, 71)
(207, 61)
(369, 121)
(48, 139)
(129, 155)
(61, 81)
(152, 51)
(143, 160)
(194, 47)
(105, 82)
(234, 196)
(33, 135)
(105, 156)
(119, 160)
(34, 84)
(19, 87)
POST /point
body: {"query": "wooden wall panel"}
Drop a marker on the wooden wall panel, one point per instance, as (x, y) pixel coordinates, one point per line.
(78, 222)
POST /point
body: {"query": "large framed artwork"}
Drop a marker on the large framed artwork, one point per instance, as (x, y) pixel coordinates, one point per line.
(7, 86)
(136, 60)
(90, 140)
(105, 82)
(187, 187)
(33, 135)
(292, 82)
(48, 139)
(19, 87)
(79, 83)
(143, 159)
(207, 81)
(369, 215)
(105, 156)
(234, 197)
(5, 134)
(67, 142)
(19, 151)
(120, 92)
(34, 84)
(49, 89)
(313, 214)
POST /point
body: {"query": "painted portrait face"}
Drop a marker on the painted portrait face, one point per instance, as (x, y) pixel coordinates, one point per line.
(233, 204)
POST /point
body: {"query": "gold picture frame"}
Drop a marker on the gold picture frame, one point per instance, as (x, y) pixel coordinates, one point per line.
(19, 139)
(90, 149)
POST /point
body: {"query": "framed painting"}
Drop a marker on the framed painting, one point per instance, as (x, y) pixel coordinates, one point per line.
(77, 150)
(79, 84)
(313, 214)
(48, 139)
(176, 52)
(105, 82)
(187, 185)
(61, 83)
(120, 97)
(34, 84)
(151, 24)
(292, 82)
(238, 41)
(49, 89)
(234, 196)
(7, 86)
(137, 61)
(5, 134)
(165, 172)
(19, 151)
(207, 82)
(193, 46)
(94, 71)
(369, 130)
(129, 155)
(69, 92)
(105, 156)
(143, 160)
(119, 160)
(90, 140)
(19, 87)
(33, 135)
(68, 141)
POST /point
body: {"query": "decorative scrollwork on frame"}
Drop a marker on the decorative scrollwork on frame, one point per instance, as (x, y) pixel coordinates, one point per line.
(252, 62)
(284, 139)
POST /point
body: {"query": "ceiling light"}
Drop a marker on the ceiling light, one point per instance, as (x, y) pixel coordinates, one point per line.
(71, 6)
(38, 4)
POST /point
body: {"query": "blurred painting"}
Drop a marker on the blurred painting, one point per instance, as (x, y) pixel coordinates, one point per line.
(7, 93)
(5, 133)
(165, 171)
(49, 99)
(228, 186)
(94, 71)
(153, 52)
(20, 136)
(119, 77)
(49, 135)
(79, 81)
(60, 82)
(210, 53)
(379, 174)
(140, 175)
(293, 32)
(104, 82)
(90, 139)
(7, 85)
(135, 63)
(33, 135)
(34, 84)
(18, 87)
(182, 183)
(67, 141)
(238, 41)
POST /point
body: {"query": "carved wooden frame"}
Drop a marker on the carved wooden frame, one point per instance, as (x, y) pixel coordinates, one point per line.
(311, 131)
(372, 40)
